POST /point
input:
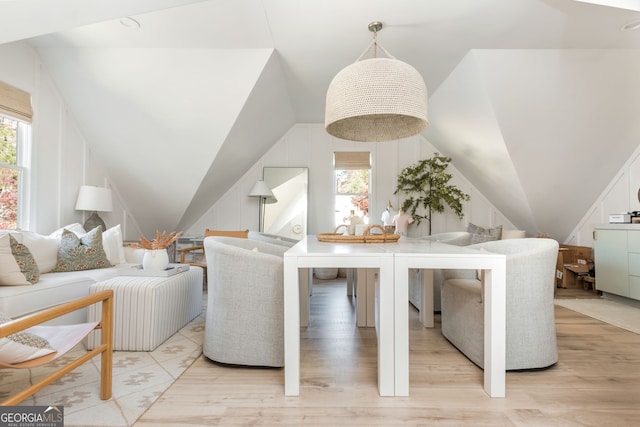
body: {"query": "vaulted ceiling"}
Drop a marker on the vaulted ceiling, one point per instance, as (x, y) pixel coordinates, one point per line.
(536, 101)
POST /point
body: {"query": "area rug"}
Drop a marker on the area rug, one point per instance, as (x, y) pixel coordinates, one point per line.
(139, 378)
(614, 313)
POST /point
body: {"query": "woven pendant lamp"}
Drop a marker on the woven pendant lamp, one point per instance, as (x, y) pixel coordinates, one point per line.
(376, 99)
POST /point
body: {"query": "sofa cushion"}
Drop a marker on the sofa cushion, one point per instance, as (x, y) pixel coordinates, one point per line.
(10, 273)
(81, 253)
(482, 234)
(52, 289)
(21, 346)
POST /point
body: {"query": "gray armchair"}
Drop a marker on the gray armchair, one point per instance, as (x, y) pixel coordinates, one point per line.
(245, 312)
(530, 319)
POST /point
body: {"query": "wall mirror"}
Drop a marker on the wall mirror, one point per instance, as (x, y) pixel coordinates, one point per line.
(285, 214)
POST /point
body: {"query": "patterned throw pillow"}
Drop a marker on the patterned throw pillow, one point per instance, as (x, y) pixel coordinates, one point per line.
(21, 346)
(25, 260)
(10, 274)
(481, 234)
(81, 252)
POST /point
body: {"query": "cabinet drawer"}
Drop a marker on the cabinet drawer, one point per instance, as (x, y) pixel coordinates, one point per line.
(633, 241)
(634, 264)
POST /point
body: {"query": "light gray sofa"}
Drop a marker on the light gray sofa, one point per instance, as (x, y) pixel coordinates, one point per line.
(458, 238)
(57, 288)
(245, 312)
(530, 320)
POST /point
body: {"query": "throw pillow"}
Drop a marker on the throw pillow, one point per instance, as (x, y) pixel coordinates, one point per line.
(43, 248)
(76, 227)
(25, 260)
(10, 274)
(113, 245)
(481, 234)
(81, 253)
(22, 346)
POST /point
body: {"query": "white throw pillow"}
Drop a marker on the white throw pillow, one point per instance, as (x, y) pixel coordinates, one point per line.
(76, 228)
(10, 274)
(113, 245)
(22, 346)
(43, 248)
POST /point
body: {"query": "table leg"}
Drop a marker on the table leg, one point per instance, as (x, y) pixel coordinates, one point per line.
(305, 281)
(386, 329)
(401, 325)
(494, 332)
(360, 282)
(426, 306)
(291, 328)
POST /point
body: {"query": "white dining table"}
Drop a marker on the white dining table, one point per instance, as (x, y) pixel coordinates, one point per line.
(391, 303)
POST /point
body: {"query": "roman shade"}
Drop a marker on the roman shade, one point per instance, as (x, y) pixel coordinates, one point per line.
(15, 103)
(352, 160)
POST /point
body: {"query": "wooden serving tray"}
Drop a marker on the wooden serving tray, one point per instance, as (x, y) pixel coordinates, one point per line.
(366, 237)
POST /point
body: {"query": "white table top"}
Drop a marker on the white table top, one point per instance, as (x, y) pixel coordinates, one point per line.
(405, 246)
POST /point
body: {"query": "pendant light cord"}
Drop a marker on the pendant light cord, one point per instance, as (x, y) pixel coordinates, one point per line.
(374, 43)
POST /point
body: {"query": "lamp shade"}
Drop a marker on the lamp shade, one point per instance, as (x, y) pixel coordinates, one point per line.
(260, 189)
(94, 199)
(377, 99)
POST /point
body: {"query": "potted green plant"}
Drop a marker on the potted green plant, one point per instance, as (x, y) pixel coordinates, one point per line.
(427, 188)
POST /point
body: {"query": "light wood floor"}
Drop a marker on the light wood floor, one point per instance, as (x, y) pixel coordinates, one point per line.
(595, 383)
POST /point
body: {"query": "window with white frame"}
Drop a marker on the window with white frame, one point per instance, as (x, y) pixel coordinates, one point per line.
(15, 155)
(352, 178)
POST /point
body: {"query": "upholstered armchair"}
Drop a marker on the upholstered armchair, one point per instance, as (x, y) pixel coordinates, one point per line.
(194, 255)
(530, 320)
(245, 313)
(458, 238)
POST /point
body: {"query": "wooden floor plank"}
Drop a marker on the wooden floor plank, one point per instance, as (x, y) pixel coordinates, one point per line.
(595, 383)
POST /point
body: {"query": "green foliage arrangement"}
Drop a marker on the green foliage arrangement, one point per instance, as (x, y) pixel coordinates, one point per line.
(426, 185)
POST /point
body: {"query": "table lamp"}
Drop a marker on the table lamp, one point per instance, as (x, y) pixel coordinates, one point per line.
(94, 199)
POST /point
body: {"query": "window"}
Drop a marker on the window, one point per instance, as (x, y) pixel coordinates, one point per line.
(15, 155)
(352, 184)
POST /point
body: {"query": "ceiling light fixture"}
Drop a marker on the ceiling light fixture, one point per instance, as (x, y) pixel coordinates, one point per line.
(376, 99)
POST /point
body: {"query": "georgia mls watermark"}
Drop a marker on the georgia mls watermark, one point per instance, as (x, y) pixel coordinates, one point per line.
(31, 416)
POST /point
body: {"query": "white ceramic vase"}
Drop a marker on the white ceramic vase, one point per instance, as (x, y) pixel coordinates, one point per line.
(155, 259)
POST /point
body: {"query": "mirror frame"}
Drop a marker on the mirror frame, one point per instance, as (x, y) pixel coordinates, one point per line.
(286, 214)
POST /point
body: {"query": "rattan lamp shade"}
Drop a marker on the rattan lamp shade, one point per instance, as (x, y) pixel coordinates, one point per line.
(378, 99)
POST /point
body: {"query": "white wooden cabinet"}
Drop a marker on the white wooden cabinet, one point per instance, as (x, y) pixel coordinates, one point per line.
(617, 259)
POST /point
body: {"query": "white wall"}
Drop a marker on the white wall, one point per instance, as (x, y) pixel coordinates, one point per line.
(61, 160)
(620, 196)
(309, 145)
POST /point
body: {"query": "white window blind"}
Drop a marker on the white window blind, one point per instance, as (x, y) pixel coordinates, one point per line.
(352, 160)
(15, 103)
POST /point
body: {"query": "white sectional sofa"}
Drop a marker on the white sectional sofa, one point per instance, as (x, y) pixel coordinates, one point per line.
(54, 288)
